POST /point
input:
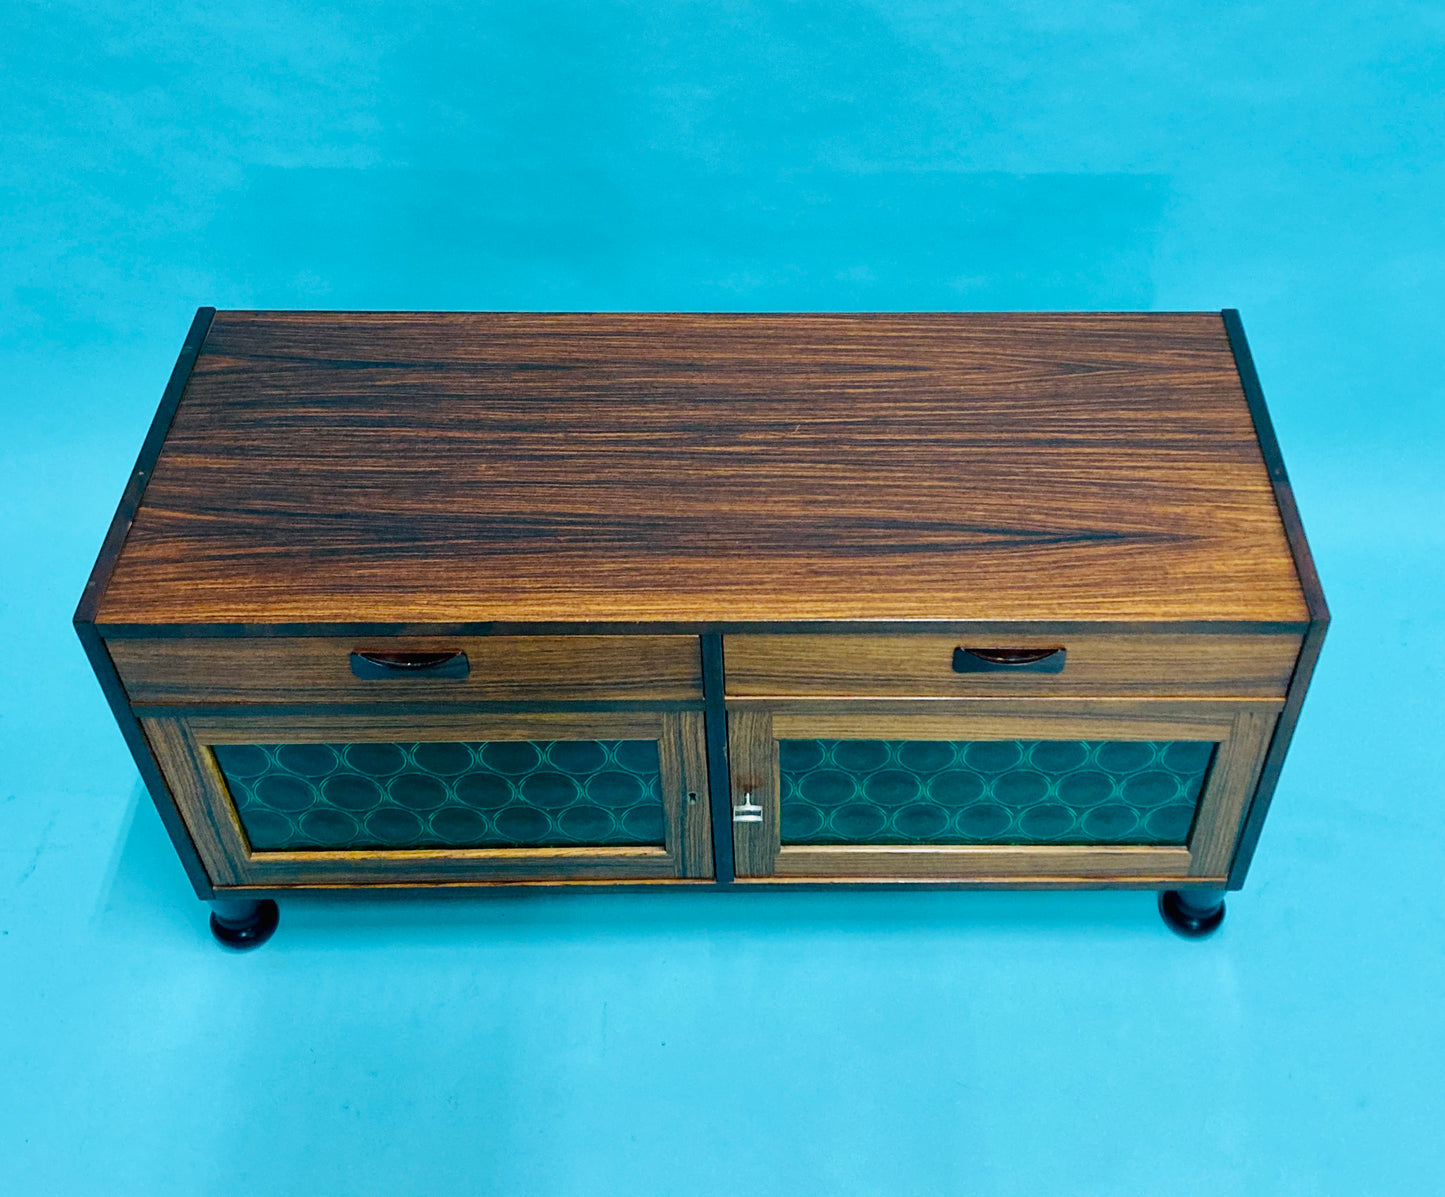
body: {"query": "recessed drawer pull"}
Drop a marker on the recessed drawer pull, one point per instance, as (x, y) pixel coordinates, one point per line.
(373, 666)
(1008, 660)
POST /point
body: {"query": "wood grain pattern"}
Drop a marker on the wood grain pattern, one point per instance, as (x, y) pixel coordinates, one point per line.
(936, 862)
(294, 727)
(908, 666)
(753, 771)
(130, 499)
(1314, 593)
(685, 792)
(474, 865)
(1231, 784)
(1004, 719)
(200, 795)
(426, 468)
(210, 670)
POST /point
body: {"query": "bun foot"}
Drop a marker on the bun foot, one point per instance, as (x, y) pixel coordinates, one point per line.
(245, 923)
(1192, 913)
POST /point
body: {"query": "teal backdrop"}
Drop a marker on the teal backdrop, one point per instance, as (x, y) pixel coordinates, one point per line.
(1286, 159)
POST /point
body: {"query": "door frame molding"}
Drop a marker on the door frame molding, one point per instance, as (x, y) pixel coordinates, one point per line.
(1242, 729)
(199, 789)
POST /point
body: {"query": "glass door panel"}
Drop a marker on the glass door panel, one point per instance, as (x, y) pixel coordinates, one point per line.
(452, 794)
(990, 791)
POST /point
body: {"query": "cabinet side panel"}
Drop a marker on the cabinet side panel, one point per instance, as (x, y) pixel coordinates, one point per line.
(1309, 582)
(85, 611)
(1274, 759)
(145, 759)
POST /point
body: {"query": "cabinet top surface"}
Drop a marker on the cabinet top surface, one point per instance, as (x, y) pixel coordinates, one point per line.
(435, 468)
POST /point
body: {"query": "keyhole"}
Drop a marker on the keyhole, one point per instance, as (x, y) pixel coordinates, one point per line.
(692, 796)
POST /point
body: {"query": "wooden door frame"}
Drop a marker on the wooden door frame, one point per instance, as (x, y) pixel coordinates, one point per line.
(180, 744)
(1242, 729)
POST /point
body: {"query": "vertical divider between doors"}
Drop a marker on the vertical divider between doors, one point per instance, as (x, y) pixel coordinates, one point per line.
(719, 785)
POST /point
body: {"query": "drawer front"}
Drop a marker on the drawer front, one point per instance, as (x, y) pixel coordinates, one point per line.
(1163, 664)
(352, 799)
(206, 671)
(1001, 791)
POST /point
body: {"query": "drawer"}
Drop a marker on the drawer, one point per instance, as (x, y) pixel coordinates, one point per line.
(1158, 664)
(214, 670)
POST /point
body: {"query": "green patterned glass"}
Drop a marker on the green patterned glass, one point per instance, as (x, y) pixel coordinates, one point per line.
(494, 794)
(991, 791)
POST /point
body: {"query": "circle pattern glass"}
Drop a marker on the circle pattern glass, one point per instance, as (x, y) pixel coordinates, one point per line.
(496, 794)
(990, 791)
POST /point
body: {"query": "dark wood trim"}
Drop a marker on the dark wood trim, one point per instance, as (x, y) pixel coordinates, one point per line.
(185, 631)
(150, 450)
(718, 783)
(85, 611)
(1274, 462)
(1313, 593)
(145, 760)
(1274, 759)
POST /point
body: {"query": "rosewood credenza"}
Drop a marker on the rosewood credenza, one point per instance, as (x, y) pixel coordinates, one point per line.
(500, 599)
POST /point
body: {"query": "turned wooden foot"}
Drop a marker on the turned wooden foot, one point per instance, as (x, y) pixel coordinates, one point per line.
(1192, 913)
(243, 923)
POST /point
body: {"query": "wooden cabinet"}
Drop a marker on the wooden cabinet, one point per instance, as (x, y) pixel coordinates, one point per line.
(495, 599)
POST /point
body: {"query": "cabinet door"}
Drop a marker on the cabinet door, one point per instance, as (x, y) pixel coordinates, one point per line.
(364, 798)
(1002, 792)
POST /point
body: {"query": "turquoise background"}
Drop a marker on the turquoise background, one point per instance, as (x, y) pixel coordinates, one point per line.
(1278, 158)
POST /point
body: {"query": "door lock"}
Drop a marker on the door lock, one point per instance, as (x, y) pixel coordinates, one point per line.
(749, 811)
